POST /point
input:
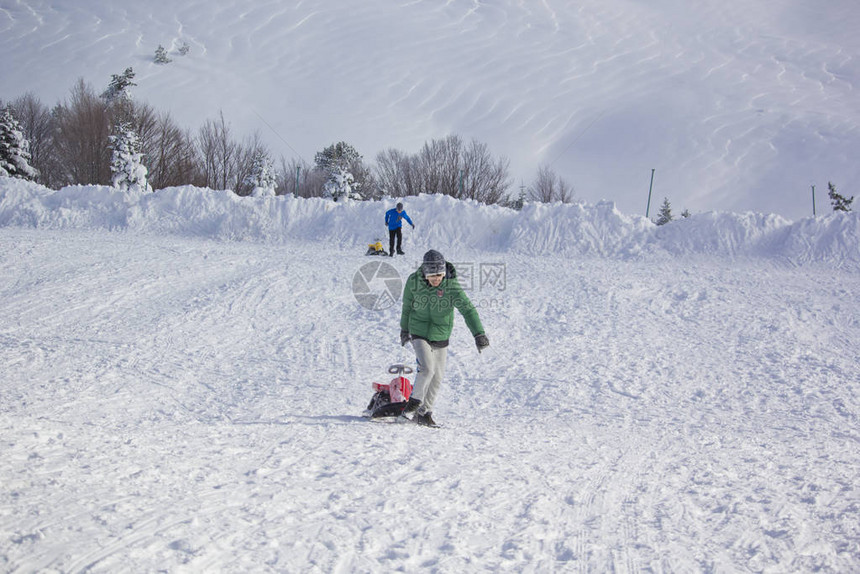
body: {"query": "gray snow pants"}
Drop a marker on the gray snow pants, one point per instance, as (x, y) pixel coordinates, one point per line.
(431, 369)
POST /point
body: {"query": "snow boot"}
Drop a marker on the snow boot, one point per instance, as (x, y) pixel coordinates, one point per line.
(411, 406)
(424, 420)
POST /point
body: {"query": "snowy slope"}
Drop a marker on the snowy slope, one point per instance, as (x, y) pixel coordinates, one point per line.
(679, 399)
(738, 105)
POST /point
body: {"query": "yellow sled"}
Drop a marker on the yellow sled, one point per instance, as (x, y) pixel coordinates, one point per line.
(376, 248)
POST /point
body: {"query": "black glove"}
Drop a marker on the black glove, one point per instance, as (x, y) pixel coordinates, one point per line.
(405, 337)
(482, 342)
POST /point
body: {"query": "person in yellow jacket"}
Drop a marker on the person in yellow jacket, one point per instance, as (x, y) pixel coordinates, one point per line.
(430, 296)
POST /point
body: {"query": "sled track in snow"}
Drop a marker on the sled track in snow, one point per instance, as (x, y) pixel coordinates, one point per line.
(188, 404)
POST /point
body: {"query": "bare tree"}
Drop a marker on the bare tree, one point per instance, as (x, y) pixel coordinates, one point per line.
(484, 180)
(300, 179)
(397, 174)
(81, 138)
(446, 166)
(168, 150)
(223, 162)
(438, 164)
(549, 187)
(182, 159)
(314, 184)
(290, 176)
(247, 154)
(217, 154)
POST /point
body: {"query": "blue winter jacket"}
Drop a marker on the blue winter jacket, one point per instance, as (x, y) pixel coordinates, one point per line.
(394, 220)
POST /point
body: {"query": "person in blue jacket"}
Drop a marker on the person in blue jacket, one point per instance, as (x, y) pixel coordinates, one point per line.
(394, 220)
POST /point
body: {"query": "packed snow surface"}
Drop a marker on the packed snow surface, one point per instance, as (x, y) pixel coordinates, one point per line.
(737, 104)
(182, 375)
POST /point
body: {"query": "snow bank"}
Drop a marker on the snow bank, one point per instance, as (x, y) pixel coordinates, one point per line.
(579, 229)
(719, 233)
(834, 239)
(539, 229)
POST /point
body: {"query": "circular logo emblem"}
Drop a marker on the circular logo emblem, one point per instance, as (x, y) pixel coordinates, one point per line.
(377, 286)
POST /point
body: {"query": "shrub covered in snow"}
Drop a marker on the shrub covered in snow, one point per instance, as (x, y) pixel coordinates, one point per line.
(341, 185)
(127, 169)
(262, 179)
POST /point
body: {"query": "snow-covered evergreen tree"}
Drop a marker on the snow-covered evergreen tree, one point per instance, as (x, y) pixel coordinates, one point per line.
(665, 215)
(14, 149)
(341, 185)
(337, 155)
(127, 169)
(161, 56)
(262, 179)
(839, 201)
(337, 161)
(120, 86)
(519, 202)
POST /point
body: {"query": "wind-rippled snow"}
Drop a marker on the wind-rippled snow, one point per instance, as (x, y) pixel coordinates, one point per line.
(738, 105)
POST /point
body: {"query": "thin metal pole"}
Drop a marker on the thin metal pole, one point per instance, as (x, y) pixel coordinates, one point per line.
(651, 187)
(813, 201)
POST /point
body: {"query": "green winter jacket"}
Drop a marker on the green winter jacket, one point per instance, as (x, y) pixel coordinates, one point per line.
(428, 312)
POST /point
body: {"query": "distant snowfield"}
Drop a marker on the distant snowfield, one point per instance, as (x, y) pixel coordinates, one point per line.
(181, 395)
(738, 105)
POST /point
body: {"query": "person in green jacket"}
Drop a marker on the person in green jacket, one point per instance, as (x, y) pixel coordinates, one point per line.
(429, 298)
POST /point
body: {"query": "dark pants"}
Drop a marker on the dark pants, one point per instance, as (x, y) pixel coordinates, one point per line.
(398, 235)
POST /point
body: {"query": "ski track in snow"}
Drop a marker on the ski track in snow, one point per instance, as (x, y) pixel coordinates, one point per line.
(192, 405)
